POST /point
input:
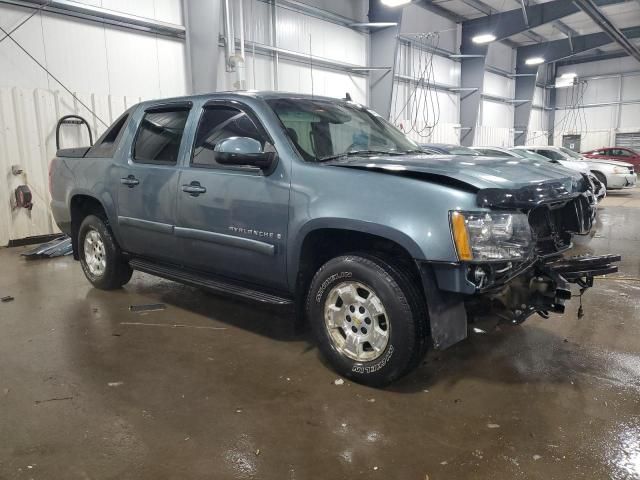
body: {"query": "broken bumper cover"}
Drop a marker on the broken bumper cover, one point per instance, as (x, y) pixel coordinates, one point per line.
(539, 286)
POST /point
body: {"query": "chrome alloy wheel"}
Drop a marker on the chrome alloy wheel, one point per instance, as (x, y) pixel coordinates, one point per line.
(356, 321)
(94, 253)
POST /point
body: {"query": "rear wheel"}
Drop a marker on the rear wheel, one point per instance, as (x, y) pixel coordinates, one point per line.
(100, 256)
(368, 317)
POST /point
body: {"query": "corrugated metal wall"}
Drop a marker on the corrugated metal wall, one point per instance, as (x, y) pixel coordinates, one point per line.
(598, 124)
(27, 139)
(304, 34)
(427, 115)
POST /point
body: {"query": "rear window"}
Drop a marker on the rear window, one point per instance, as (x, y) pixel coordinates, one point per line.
(159, 136)
(106, 145)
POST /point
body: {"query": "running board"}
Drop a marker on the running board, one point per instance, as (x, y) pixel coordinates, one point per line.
(217, 286)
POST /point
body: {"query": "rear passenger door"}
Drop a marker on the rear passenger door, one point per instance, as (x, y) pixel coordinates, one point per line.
(237, 225)
(148, 183)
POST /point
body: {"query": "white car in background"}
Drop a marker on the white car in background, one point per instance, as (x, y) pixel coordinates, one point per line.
(522, 152)
(569, 163)
(613, 174)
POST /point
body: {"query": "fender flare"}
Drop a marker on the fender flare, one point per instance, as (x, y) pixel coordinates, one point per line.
(346, 224)
(108, 206)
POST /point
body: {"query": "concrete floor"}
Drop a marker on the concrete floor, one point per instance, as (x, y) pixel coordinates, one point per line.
(89, 390)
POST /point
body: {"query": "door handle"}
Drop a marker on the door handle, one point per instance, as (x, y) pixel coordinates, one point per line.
(194, 189)
(130, 181)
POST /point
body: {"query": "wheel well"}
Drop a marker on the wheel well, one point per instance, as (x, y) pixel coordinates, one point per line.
(82, 206)
(600, 176)
(321, 245)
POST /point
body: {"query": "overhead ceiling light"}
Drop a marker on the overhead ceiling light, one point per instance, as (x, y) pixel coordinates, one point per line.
(569, 75)
(534, 61)
(484, 38)
(394, 3)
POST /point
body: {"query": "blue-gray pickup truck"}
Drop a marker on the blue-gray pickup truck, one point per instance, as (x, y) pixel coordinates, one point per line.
(322, 204)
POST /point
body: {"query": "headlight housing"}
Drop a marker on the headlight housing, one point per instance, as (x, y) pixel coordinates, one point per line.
(487, 236)
(620, 170)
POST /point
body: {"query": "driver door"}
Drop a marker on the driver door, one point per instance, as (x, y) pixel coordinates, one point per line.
(232, 220)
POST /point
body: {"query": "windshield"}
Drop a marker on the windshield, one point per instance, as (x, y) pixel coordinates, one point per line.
(459, 150)
(322, 129)
(529, 154)
(571, 153)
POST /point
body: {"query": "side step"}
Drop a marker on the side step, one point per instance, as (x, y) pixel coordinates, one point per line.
(217, 286)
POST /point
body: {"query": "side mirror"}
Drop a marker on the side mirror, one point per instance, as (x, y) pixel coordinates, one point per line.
(243, 151)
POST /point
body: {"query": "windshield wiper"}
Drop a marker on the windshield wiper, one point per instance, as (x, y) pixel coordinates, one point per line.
(359, 152)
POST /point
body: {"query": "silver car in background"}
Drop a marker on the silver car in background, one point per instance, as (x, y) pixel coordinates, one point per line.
(522, 152)
(613, 174)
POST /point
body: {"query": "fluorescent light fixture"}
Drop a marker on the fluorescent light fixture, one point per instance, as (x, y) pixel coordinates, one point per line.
(534, 61)
(569, 75)
(484, 38)
(394, 3)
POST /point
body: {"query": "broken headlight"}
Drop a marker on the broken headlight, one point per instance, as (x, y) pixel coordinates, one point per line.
(486, 236)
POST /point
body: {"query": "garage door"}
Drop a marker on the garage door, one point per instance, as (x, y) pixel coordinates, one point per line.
(629, 140)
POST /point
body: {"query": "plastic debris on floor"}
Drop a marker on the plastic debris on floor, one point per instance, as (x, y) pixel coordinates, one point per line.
(58, 247)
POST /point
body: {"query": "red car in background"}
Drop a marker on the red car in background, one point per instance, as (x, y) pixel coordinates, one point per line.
(616, 153)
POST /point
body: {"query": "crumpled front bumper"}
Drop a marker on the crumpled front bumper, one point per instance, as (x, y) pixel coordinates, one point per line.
(540, 286)
(622, 180)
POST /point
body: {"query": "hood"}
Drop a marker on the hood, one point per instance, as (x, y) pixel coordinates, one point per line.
(581, 167)
(605, 161)
(478, 172)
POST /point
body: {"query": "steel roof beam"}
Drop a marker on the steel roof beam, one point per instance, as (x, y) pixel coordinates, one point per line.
(560, 49)
(512, 22)
(592, 10)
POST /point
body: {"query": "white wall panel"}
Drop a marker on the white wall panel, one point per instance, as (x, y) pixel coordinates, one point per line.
(27, 138)
(76, 53)
(171, 68)
(257, 21)
(501, 56)
(538, 96)
(419, 104)
(416, 19)
(441, 133)
(631, 87)
(498, 85)
(630, 117)
(137, 58)
(90, 57)
(538, 119)
(496, 114)
(15, 67)
(302, 33)
(494, 136)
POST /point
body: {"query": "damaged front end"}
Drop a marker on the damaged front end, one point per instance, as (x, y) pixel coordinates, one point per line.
(511, 272)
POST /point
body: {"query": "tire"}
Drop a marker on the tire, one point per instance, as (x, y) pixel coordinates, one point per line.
(104, 266)
(376, 358)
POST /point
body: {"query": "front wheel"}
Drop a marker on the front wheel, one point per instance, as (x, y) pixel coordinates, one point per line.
(100, 256)
(368, 317)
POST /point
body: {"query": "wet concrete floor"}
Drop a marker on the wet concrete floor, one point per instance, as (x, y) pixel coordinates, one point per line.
(90, 390)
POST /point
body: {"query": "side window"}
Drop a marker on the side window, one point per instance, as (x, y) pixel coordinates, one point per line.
(159, 136)
(217, 124)
(545, 153)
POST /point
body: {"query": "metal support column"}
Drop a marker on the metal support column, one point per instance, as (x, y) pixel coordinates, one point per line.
(471, 81)
(525, 89)
(383, 48)
(203, 31)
